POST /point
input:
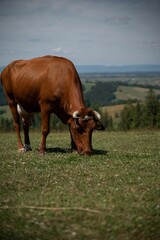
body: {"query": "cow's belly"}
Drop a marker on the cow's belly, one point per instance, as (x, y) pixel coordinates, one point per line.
(29, 102)
(27, 97)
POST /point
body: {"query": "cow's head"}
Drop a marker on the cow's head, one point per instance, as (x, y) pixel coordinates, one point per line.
(82, 124)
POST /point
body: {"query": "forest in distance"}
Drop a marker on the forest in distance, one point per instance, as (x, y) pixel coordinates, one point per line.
(138, 94)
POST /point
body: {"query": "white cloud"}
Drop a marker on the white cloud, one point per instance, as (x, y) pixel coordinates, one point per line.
(57, 50)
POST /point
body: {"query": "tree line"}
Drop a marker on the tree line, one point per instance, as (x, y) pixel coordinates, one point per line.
(144, 115)
(141, 115)
(101, 94)
(6, 124)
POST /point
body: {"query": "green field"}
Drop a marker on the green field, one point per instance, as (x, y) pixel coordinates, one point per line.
(134, 78)
(114, 194)
(130, 92)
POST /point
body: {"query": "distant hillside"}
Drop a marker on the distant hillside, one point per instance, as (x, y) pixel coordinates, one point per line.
(114, 69)
(117, 69)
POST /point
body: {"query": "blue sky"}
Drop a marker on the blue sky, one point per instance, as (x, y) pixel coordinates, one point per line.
(108, 32)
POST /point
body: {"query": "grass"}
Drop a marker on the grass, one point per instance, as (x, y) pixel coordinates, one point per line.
(114, 194)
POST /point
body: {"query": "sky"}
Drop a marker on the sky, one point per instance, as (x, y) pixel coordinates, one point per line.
(88, 32)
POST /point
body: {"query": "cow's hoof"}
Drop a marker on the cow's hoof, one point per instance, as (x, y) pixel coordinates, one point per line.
(27, 147)
(85, 153)
(20, 150)
(42, 152)
(71, 150)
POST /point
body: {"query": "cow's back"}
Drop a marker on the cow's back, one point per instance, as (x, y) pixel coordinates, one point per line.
(40, 80)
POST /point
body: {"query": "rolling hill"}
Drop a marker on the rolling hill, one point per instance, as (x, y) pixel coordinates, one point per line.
(145, 68)
(117, 69)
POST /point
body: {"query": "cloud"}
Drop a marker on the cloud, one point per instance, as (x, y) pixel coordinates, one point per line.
(117, 20)
(154, 45)
(58, 50)
(87, 31)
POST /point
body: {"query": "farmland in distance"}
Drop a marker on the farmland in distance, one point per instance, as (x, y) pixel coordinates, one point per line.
(129, 87)
(109, 91)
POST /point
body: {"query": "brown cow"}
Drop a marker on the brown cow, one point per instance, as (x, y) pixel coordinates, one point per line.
(49, 84)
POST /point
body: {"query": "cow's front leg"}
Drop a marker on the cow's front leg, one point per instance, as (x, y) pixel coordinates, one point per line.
(73, 145)
(45, 118)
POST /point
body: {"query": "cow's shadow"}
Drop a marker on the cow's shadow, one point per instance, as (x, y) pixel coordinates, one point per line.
(63, 150)
(100, 152)
(57, 150)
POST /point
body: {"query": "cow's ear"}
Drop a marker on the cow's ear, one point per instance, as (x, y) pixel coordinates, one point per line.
(99, 126)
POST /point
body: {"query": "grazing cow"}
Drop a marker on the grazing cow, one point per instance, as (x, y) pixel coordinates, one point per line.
(49, 84)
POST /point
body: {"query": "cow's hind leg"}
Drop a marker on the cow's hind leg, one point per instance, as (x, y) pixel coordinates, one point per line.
(27, 146)
(45, 118)
(16, 120)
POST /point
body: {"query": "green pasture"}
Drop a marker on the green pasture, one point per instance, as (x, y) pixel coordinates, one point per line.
(113, 194)
(130, 92)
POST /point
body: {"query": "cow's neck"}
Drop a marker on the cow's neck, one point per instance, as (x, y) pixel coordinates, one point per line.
(70, 108)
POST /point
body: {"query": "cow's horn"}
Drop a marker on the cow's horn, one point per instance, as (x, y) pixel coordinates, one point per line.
(97, 115)
(75, 114)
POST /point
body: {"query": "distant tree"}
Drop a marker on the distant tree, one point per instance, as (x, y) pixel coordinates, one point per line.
(152, 109)
(126, 121)
(107, 120)
(83, 87)
(102, 93)
(2, 96)
(2, 111)
(87, 102)
(145, 115)
(158, 119)
(6, 124)
(137, 115)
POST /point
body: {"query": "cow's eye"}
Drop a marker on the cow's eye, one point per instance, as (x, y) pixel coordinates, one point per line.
(80, 127)
(80, 130)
